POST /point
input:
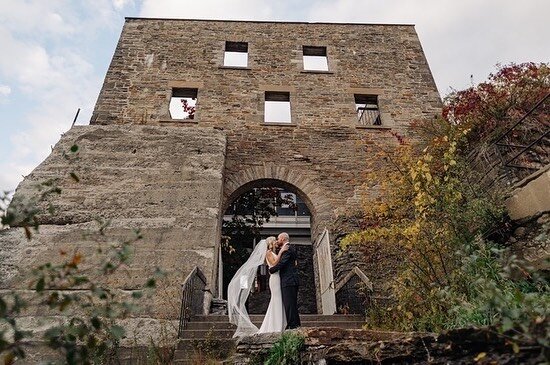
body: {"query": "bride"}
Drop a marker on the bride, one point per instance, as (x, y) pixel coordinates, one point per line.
(239, 289)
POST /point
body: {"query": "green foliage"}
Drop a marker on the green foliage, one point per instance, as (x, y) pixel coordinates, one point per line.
(249, 212)
(72, 288)
(505, 292)
(91, 308)
(11, 336)
(426, 203)
(286, 351)
(91, 330)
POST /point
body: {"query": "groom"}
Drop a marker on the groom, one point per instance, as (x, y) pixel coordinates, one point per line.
(289, 282)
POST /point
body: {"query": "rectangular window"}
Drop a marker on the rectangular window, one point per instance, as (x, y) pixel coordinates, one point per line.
(236, 54)
(182, 103)
(277, 107)
(367, 109)
(315, 58)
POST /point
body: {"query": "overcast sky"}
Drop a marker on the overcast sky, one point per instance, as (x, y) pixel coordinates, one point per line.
(54, 53)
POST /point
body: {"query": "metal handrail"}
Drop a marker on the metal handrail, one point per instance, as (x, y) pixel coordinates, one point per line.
(522, 118)
(192, 297)
(504, 152)
(372, 116)
(526, 148)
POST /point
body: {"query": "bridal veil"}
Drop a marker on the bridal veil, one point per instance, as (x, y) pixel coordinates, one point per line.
(239, 289)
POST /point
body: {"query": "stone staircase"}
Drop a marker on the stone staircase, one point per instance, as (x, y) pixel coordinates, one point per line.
(214, 333)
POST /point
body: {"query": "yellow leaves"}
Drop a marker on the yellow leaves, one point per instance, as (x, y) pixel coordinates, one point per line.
(405, 209)
(428, 177)
(412, 173)
(412, 231)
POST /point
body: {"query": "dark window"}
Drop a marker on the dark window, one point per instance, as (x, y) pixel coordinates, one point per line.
(367, 109)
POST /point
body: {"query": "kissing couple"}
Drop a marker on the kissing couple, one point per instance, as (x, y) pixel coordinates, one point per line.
(280, 256)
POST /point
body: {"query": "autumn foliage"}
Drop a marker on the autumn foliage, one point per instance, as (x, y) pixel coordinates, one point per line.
(425, 202)
(507, 95)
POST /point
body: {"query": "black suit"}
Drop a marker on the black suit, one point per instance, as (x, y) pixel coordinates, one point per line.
(289, 286)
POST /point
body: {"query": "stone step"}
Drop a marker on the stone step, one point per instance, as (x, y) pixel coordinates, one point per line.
(228, 332)
(187, 346)
(215, 331)
(303, 318)
(226, 325)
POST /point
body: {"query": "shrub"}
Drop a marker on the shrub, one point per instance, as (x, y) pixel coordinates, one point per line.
(426, 202)
(286, 351)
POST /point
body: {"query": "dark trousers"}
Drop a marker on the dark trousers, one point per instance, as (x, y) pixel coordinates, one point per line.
(290, 302)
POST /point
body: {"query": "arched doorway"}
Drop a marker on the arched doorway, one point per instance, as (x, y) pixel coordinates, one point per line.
(255, 211)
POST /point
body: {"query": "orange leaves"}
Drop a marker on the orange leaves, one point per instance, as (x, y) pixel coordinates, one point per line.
(77, 259)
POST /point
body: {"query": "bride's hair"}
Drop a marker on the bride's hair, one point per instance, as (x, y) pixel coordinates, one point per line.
(271, 243)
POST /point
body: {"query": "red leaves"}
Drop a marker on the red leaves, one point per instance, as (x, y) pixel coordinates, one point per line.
(190, 110)
(505, 96)
(400, 138)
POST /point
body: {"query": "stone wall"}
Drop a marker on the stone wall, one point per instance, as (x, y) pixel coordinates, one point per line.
(324, 142)
(165, 181)
(531, 196)
(377, 260)
(322, 155)
(334, 346)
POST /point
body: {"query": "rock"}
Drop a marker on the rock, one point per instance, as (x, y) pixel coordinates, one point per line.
(218, 306)
(344, 346)
(545, 218)
(519, 232)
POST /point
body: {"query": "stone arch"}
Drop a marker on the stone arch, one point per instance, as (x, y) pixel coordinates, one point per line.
(295, 180)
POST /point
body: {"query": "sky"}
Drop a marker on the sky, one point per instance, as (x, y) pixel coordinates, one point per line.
(54, 53)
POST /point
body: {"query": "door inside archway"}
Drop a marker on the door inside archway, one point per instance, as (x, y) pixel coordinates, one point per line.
(256, 214)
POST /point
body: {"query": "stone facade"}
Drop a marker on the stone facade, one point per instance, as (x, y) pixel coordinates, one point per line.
(322, 154)
(174, 200)
(174, 178)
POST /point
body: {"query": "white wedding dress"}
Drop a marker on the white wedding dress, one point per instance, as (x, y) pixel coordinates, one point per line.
(239, 289)
(275, 318)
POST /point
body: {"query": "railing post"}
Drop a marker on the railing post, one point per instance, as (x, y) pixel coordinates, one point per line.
(192, 298)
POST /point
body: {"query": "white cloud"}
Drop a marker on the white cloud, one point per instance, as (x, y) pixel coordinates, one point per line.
(119, 4)
(46, 46)
(5, 90)
(54, 81)
(459, 38)
(208, 9)
(31, 16)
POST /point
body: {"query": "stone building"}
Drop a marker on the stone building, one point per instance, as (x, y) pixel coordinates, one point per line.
(298, 106)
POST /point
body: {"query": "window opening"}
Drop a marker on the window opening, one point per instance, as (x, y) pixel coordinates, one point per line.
(277, 107)
(368, 112)
(236, 54)
(315, 58)
(183, 103)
